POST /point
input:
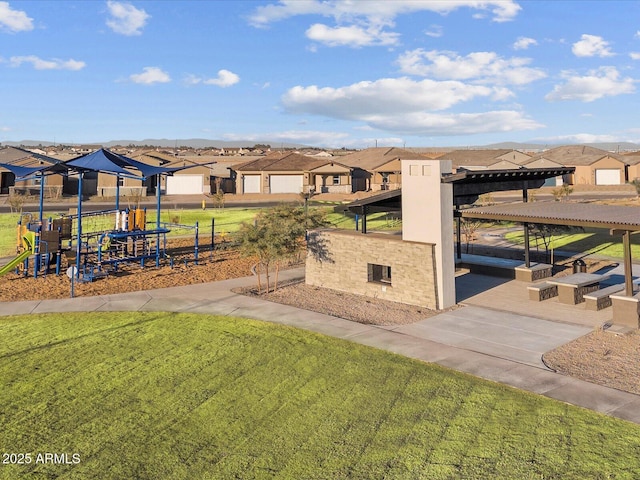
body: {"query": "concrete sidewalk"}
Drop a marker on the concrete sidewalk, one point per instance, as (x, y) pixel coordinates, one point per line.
(495, 345)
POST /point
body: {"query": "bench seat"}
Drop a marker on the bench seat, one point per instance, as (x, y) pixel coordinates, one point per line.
(542, 291)
(600, 299)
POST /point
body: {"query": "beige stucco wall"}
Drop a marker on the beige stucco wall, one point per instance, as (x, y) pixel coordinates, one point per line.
(339, 259)
(586, 175)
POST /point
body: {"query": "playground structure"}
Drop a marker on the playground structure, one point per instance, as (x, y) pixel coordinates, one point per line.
(126, 240)
(111, 238)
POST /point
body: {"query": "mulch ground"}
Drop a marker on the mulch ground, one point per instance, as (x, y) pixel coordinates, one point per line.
(222, 264)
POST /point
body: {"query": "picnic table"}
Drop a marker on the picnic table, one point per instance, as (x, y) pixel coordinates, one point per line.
(572, 288)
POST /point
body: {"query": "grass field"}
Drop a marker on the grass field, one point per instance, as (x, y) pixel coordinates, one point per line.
(227, 221)
(168, 396)
(591, 241)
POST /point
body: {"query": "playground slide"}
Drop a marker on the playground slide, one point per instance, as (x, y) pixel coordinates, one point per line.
(28, 241)
(15, 262)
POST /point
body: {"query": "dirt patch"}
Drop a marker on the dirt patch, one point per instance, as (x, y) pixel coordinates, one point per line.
(358, 308)
(601, 357)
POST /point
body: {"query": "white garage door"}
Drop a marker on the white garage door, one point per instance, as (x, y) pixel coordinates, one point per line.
(285, 183)
(251, 184)
(607, 176)
(184, 185)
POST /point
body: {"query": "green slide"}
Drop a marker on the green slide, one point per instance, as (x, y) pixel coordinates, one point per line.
(28, 241)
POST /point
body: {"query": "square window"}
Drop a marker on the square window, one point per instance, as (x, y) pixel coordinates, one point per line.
(336, 179)
(379, 273)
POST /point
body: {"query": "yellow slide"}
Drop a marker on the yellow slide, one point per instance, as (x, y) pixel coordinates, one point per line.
(29, 244)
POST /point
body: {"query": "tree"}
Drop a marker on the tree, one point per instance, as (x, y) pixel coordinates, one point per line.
(275, 234)
(469, 229)
(546, 232)
(562, 192)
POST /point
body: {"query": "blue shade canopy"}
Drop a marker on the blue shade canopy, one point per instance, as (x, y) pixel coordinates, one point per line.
(108, 162)
(22, 173)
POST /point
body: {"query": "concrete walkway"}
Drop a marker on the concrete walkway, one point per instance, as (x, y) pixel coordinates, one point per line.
(495, 345)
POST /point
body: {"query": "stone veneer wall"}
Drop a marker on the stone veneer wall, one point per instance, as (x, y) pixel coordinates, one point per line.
(339, 259)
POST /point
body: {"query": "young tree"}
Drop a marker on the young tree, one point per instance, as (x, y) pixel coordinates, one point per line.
(562, 192)
(275, 234)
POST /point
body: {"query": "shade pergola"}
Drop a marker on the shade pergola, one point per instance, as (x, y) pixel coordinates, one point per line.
(467, 185)
(619, 220)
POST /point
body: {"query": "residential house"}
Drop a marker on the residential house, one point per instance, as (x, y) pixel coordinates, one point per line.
(53, 184)
(377, 168)
(289, 172)
(485, 159)
(593, 165)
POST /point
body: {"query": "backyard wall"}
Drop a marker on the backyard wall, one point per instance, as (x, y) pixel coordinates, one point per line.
(351, 262)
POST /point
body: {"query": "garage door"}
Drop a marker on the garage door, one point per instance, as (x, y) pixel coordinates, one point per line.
(251, 184)
(607, 176)
(184, 185)
(285, 183)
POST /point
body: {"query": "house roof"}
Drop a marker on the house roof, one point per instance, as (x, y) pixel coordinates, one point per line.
(282, 162)
(15, 155)
(372, 158)
(576, 155)
(481, 157)
(108, 162)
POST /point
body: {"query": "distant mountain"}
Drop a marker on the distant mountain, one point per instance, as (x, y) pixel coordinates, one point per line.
(167, 143)
(204, 143)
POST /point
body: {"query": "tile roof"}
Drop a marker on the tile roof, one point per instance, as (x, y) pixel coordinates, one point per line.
(372, 158)
(576, 155)
(282, 162)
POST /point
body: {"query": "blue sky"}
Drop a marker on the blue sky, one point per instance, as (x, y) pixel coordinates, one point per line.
(325, 73)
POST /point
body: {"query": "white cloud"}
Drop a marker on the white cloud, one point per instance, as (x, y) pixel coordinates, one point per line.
(5, 129)
(481, 67)
(604, 82)
(502, 10)
(353, 36)
(150, 75)
(53, 64)
(389, 95)
(591, 46)
(406, 106)
(435, 31)
(522, 43)
(126, 19)
(224, 79)
(14, 20)
(427, 124)
(364, 21)
(634, 55)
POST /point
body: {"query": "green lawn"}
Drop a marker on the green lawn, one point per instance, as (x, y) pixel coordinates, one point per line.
(591, 241)
(168, 396)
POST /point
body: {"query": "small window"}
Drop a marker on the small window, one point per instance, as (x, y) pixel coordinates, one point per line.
(336, 179)
(379, 273)
(120, 182)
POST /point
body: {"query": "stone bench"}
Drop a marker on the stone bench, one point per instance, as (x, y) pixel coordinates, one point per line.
(600, 299)
(536, 271)
(542, 291)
